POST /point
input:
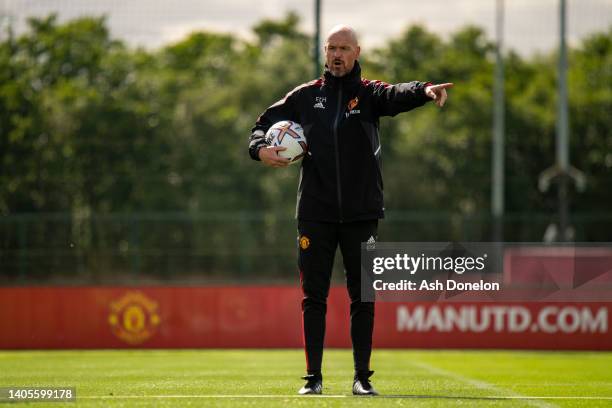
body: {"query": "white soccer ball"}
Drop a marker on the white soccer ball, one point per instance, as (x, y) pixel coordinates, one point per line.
(290, 135)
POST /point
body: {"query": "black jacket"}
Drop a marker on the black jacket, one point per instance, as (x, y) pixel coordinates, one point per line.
(340, 177)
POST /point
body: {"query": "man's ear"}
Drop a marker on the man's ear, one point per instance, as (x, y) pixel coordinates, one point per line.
(358, 51)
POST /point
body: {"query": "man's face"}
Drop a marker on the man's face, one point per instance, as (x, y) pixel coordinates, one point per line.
(341, 51)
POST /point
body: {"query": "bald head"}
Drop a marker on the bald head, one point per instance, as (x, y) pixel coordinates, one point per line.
(343, 30)
(341, 50)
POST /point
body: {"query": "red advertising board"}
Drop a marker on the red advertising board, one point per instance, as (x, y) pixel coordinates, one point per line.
(262, 317)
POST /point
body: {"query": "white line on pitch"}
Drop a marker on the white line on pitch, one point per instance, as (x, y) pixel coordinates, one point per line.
(482, 385)
(484, 397)
(557, 397)
(211, 396)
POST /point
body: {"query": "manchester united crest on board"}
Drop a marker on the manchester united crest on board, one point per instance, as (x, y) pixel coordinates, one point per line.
(134, 317)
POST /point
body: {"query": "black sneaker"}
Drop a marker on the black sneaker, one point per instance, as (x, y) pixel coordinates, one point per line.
(361, 384)
(314, 385)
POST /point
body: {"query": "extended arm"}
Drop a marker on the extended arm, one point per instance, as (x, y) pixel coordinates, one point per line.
(402, 97)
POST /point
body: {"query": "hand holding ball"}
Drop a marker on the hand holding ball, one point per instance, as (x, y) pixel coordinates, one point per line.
(289, 135)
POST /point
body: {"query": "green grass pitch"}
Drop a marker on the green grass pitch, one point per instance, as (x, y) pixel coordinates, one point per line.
(270, 378)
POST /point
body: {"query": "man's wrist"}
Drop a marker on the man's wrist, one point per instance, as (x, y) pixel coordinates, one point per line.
(425, 90)
(258, 151)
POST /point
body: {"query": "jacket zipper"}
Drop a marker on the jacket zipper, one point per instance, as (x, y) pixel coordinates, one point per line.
(336, 121)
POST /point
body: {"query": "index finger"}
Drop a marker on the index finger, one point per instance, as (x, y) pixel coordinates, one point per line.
(445, 85)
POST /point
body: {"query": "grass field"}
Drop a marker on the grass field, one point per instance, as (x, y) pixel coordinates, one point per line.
(270, 378)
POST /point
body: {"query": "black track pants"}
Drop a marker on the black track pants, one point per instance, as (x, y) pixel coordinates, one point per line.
(317, 243)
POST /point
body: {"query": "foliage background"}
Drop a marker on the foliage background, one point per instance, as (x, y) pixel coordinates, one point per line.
(126, 164)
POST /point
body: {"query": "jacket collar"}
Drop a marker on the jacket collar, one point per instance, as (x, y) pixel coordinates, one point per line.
(351, 78)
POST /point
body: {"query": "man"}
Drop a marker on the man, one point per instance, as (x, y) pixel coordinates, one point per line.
(340, 193)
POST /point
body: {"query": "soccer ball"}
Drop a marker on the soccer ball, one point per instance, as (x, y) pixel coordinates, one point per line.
(290, 135)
